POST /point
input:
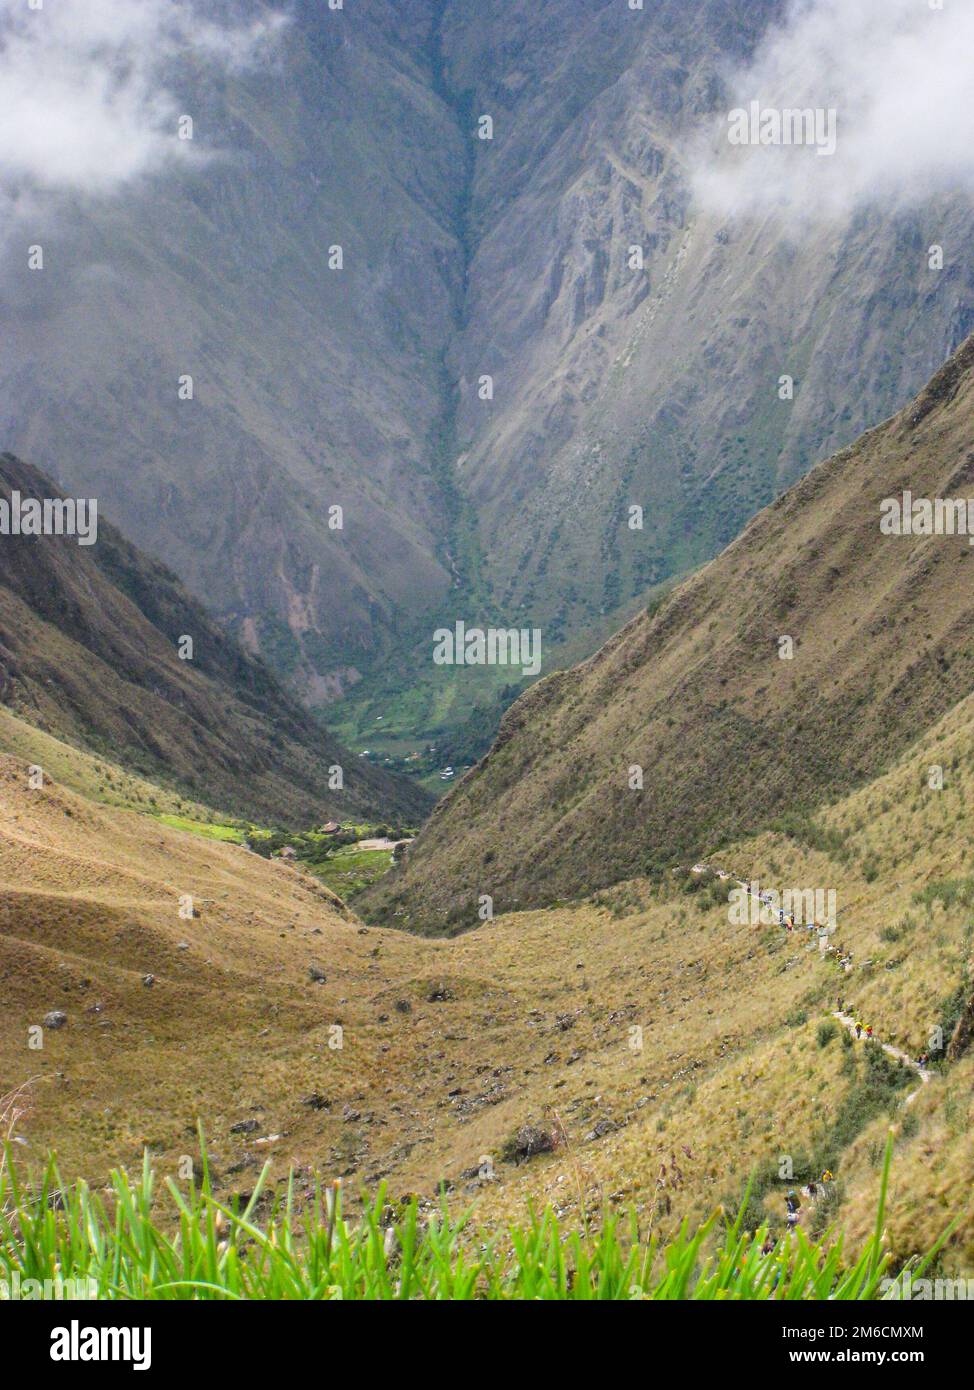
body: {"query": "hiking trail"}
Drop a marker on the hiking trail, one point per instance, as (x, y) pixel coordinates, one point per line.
(846, 1019)
(849, 1023)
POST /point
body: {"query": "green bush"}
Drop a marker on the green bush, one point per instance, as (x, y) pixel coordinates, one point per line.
(191, 1246)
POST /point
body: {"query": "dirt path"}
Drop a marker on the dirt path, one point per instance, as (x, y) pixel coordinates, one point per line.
(850, 1024)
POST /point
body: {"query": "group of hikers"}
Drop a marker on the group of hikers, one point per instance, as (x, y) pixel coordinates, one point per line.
(859, 1028)
(864, 1030)
(844, 958)
(814, 1190)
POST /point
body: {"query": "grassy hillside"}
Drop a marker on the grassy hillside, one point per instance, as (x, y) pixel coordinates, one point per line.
(98, 779)
(504, 1063)
(89, 651)
(730, 736)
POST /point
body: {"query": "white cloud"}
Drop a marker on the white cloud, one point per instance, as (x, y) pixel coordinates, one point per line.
(898, 74)
(83, 103)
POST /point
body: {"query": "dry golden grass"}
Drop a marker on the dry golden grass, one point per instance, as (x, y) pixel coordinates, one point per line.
(99, 779)
(535, 1026)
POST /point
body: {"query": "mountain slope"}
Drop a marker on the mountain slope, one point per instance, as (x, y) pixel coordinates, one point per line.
(89, 639)
(313, 387)
(464, 257)
(656, 387)
(678, 1054)
(729, 735)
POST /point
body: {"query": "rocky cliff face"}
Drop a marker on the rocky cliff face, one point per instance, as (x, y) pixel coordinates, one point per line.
(462, 258)
(313, 387)
(656, 387)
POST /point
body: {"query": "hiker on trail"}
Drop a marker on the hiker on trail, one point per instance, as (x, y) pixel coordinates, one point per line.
(858, 1030)
(869, 1031)
(827, 1175)
(768, 1247)
(812, 1190)
(923, 1061)
(793, 1203)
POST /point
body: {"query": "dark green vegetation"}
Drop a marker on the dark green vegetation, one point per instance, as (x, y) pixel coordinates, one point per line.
(443, 716)
(89, 651)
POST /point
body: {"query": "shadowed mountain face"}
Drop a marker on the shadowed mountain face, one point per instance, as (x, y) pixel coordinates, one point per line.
(462, 258)
(657, 388)
(90, 638)
(313, 388)
(794, 667)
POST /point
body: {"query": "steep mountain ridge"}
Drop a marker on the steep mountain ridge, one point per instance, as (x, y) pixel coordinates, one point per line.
(89, 651)
(657, 387)
(360, 388)
(313, 387)
(728, 735)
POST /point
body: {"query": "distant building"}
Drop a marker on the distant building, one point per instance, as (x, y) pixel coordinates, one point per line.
(289, 852)
(331, 828)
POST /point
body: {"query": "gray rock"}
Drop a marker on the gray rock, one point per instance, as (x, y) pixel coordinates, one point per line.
(316, 1101)
(526, 1142)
